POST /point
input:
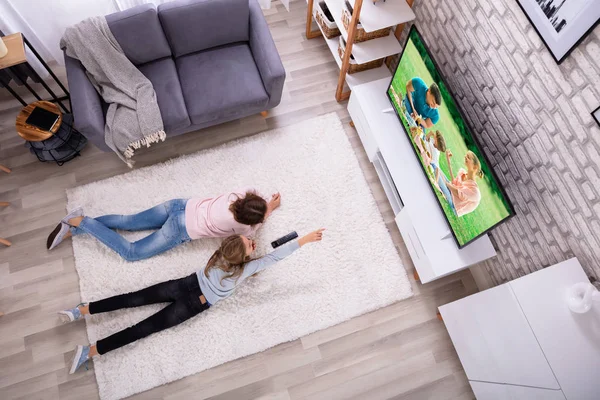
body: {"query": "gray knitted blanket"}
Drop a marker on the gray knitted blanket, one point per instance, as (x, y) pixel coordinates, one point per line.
(133, 118)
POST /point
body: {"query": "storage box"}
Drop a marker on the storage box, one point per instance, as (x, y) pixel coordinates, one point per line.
(325, 21)
(354, 66)
(360, 34)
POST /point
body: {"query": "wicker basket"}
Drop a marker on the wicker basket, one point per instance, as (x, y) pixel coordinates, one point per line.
(361, 35)
(328, 26)
(354, 66)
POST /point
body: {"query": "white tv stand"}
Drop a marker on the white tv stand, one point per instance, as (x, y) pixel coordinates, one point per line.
(424, 228)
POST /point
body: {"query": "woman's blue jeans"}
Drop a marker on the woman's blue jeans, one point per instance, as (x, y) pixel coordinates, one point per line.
(168, 219)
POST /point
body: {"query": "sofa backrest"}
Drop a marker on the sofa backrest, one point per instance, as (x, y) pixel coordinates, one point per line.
(195, 25)
(139, 33)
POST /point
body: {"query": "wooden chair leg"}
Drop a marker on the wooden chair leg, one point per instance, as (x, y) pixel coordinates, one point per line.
(416, 276)
(264, 114)
(5, 169)
(4, 204)
(5, 242)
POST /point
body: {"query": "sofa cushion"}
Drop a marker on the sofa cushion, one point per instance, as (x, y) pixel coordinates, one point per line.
(195, 25)
(163, 75)
(139, 33)
(220, 82)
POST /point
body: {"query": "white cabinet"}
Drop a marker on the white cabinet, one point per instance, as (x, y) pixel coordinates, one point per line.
(520, 340)
(496, 391)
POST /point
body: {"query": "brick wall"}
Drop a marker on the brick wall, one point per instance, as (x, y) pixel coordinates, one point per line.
(533, 119)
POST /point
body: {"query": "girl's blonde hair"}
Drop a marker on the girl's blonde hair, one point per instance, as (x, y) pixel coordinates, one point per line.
(476, 163)
(230, 257)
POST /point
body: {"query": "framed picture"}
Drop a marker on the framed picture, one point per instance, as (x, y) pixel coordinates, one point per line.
(562, 24)
(596, 115)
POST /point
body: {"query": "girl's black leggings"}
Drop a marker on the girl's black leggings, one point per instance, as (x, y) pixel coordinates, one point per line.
(183, 294)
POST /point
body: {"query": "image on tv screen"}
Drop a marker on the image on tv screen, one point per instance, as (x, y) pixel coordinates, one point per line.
(466, 188)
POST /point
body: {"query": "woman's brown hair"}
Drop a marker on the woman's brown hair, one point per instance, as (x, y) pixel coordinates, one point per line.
(230, 257)
(250, 209)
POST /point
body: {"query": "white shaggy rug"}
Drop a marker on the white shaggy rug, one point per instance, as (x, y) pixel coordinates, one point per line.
(354, 270)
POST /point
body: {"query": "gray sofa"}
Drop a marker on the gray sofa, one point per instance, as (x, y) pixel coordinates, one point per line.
(210, 61)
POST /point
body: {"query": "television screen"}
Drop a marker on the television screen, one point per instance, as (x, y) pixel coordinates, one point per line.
(461, 178)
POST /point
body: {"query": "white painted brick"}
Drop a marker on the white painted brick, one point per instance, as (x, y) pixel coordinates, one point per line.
(578, 154)
(597, 209)
(482, 37)
(585, 65)
(593, 50)
(567, 198)
(559, 239)
(499, 26)
(517, 35)
(592, 153)
(590, 98)
(589, 192)
(546, 78)
(592, 176)
(557, 161)
(587, 233)
(475, 43)
(563, 129)
(540, 89)
(569, 160)
(486, 29)
(464, 14)
(577, 78)
(577, 195)
(531, 115)
(548, 123)
(500, 7)
(486, 6)
(582, 109)
(521, 62)
(534, 39)
(507, 60)
(441, 15)
(517, 96)
(572, 226)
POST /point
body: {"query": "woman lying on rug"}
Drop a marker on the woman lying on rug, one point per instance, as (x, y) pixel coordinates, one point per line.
(175, 221)
(229, 266)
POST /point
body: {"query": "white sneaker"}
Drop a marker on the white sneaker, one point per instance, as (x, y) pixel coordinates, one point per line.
(78, 212)
(57, 235)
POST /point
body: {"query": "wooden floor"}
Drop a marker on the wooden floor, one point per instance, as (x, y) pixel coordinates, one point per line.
(400, 352)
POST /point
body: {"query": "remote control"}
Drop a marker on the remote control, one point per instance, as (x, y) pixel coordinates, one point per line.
(284, 239)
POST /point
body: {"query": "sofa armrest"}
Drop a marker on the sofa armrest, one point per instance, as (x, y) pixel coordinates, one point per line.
(265, 55)
(86, 104)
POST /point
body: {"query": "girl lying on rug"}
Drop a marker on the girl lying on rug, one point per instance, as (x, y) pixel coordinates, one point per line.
(229, 266)
(176, 222)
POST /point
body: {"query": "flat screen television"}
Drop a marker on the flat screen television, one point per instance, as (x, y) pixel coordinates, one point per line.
(466, 188)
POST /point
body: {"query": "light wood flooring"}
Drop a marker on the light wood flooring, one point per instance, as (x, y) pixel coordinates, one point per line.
(398, 352)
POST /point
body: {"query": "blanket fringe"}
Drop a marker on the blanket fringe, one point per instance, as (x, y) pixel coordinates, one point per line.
(147, 140)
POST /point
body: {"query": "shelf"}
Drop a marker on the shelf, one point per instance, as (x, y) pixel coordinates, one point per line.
(383, 14)
(360, 77)
(371, 49)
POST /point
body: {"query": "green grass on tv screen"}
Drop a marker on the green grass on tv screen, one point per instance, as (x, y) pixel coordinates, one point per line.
(493, 207)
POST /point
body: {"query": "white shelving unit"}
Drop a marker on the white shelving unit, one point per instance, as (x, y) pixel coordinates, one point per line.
(372, 17)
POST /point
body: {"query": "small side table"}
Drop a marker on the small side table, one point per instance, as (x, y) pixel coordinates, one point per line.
(61, 144)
